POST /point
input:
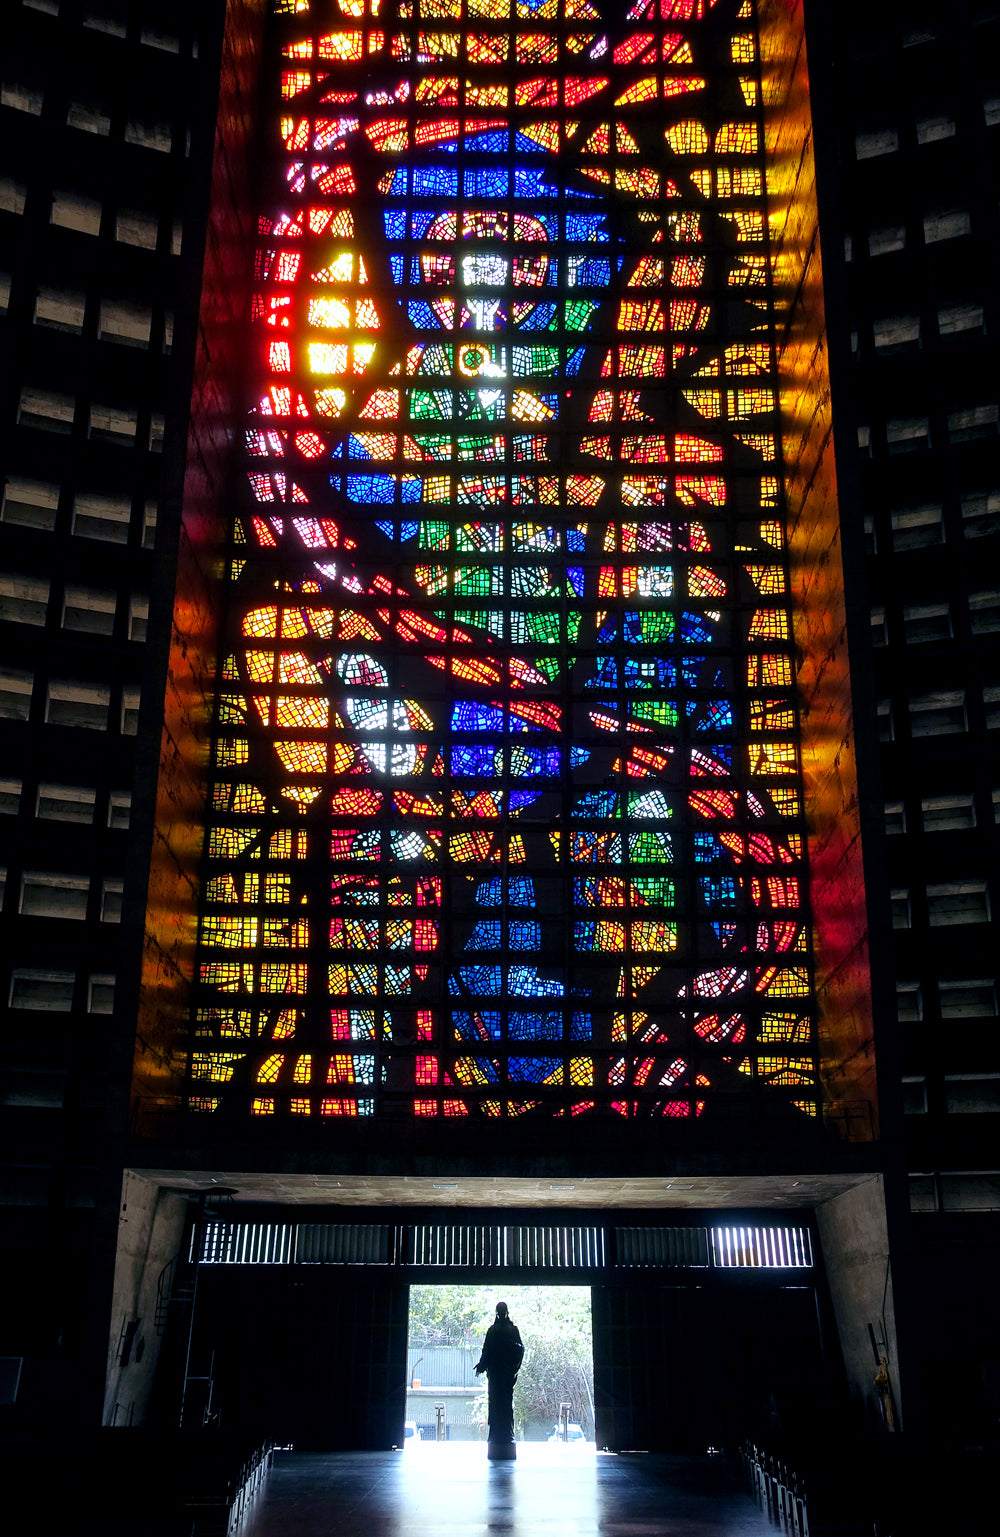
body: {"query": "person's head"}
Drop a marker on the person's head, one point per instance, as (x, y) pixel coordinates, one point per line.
(502, 1311)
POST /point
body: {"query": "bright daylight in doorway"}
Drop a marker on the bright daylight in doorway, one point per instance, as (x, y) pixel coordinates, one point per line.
(445, 1401)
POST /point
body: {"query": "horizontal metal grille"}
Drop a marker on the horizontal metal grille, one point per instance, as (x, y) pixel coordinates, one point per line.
(342, 1243)
(474, 1243)
(663, 1246)
(765, 1248)
(247, 1243)
(555, 1248)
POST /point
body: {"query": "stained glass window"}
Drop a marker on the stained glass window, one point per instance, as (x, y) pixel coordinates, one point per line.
(506, 807)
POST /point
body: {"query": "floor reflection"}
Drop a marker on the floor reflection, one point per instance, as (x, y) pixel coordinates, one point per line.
(450, 1490)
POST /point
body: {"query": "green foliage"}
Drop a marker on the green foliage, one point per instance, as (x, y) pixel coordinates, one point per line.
(558, 1343)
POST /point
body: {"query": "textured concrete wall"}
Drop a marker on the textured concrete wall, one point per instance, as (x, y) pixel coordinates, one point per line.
(855, 1244)
(150, 1229)
(168, 956)
(836, 881)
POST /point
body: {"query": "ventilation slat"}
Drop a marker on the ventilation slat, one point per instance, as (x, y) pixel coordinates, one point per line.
(762, 1248)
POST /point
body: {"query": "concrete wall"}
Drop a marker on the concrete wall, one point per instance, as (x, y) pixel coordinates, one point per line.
(854, 1239)
(837, 891)
(150, 1230)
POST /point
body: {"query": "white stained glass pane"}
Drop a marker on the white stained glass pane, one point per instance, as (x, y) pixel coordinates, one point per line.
(45, 895)
(66, 803)
(49, 991)
(89, 610)
(113, 424)
(102, 517)
(124, 322)
(23, 599)
(72, 210)
(59, 308)
(90, 116)
(78, 704)
(46, 409)
(30, 503)
(15, 693)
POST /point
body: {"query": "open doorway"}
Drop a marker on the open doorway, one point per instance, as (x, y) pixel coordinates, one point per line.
(445, 1401)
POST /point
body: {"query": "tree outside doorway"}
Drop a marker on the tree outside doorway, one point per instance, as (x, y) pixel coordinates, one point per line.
(555, 1325)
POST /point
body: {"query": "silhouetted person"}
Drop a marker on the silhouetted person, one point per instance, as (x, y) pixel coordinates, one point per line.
(501, 1359)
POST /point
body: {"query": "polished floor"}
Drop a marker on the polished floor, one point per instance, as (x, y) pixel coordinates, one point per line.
(452, 1491)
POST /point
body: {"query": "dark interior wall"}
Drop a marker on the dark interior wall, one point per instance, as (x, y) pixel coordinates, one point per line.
(190, 574)
(307, 1354)
(837, 887)
(682, 1368)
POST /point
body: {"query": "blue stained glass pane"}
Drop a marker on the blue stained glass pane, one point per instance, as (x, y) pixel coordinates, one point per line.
(718, 891)
(691, 670)
(488, 181)
(584, 936)
(471, 716)
(411, 488)
(534, 1027)
(524, 144)
(524, 982)
(578, 755)
(488, 143)
(397, 187)
(595, 272)
(420, 223)
(481, 981)
(533, 1069)
(407, 531)
(596, 803)
(394, 220)
(371, 488)
(716, 716)
(606, 675)
(581, 1027)
(707, 848)
(530, 182)
(539, 318)
(389, 529)
(575, 577)
(478, 761)
(517, 799)
(524, 934)
(485, 935)
(397, 263)
(576, 540)
(587, 226)
(490, 893)
(431, 180)
(484, 1025)
(356, 449)
(422, 315)
(520, 891)
(694, 627)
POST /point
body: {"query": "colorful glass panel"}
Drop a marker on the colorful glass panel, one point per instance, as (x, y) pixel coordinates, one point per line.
(506, 796)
